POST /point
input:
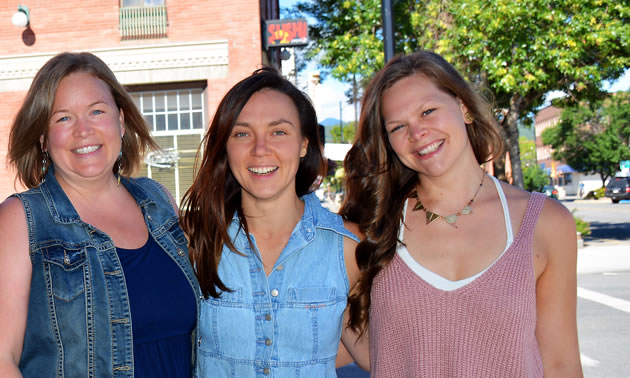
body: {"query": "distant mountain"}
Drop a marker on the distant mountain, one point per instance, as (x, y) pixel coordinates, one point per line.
(331, 122)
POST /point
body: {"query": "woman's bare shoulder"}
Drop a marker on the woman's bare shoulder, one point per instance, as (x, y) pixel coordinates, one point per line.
(13, 225)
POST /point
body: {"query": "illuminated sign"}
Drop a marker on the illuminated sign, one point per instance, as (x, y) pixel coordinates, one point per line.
(281, 33)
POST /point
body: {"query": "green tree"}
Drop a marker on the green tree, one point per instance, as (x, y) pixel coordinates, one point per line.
(518, 50)
(534, 177)
(593, 137)
(349, 131)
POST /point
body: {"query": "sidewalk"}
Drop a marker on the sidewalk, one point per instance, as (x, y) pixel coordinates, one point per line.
(604, 257)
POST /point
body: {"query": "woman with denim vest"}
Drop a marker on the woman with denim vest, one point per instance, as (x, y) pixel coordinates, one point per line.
(274, 266)
(94, 275)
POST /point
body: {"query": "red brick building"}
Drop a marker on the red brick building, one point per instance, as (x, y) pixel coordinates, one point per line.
(177, 57)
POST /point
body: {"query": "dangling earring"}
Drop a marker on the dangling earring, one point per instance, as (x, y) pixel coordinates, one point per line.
(119, 162)
(468, 118)
(44, 166)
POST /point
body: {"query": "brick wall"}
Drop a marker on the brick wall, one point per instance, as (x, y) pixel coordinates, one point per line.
(63, 25)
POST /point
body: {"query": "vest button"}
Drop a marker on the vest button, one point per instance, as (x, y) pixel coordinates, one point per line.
(180, 252)
(274, 293)
(267, 317)
(268, 342)
(266, 371)
(279, 267)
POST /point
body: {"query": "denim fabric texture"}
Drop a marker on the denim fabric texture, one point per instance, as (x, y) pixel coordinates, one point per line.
(289, 323)
(79, 321)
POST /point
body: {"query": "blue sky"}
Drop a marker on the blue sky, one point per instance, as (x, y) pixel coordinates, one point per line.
(331, 91)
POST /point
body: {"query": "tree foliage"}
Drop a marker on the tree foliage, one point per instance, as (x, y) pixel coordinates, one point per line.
(593, 137)
(515, 50)
(349, 131)
(534, 177)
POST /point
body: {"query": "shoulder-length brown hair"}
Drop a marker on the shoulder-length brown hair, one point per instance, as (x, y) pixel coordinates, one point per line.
(377, 183)
(33, 117)
(215, 195)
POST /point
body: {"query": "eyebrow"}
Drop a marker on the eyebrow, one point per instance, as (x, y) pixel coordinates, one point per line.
(421, 105)
(89, 106)
(272, 123)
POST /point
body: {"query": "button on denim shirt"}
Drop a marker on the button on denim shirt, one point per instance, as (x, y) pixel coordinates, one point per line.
(79, 321)
(289, 323)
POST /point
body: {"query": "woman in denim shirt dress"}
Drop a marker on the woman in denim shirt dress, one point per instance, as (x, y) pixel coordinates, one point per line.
(94, 275)
(274, 266)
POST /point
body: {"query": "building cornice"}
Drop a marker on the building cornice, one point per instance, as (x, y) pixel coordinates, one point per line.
(132, 64)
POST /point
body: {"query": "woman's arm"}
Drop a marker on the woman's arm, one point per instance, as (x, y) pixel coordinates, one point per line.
(352, 347)
(556, 292)
(15, 282)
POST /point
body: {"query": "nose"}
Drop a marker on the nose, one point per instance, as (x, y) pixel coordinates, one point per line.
(82, 127)
(416, 132)
(261, 145)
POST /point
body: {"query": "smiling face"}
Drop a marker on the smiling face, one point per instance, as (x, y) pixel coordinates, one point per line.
(425, 125)
(265, 147)
(85, 129)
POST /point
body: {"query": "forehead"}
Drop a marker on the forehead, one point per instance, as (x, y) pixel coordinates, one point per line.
(79, 84)
(411, 91)
(275, 102)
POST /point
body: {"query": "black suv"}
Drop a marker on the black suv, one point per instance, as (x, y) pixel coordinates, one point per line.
(618, 188)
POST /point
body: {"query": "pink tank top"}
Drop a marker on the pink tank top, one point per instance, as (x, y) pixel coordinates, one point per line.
(483, 329)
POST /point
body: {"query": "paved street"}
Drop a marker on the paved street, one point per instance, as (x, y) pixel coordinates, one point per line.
(603, 291)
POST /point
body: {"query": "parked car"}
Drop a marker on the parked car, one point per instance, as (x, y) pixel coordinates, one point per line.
(618, 188)
(550, 191)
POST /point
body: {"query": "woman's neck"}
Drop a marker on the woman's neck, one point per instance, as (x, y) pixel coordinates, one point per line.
(87, 190)
(451, 191)
(273, 216)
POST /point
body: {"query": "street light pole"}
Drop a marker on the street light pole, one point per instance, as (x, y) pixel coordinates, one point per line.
(388, 30)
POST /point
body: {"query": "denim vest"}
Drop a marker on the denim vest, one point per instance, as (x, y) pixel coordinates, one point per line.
(79, 321)
(289, 323)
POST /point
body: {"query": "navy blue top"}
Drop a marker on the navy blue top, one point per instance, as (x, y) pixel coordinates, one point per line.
(163, 312)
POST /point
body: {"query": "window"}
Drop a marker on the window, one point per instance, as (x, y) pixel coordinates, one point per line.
(142, 19)
(172, 110)
(141, 3)
(176, 118)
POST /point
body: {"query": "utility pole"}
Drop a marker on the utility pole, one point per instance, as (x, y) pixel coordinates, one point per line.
(341, 121)
(387, 16)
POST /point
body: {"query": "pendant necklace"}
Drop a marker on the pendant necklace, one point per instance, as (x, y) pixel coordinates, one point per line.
(449, 219)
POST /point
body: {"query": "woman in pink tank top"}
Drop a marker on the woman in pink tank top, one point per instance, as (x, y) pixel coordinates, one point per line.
(460, 277)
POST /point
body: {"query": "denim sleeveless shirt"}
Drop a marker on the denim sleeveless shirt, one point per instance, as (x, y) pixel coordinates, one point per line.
(289, 323)
(79, 320)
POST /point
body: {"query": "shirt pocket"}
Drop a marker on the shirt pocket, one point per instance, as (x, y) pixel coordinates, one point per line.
(65, 268)
(310, 323)
(227, 327)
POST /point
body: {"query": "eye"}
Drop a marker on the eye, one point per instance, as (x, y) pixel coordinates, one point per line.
(239, 134)
(427, 112)
(97, 112)
(279, 132)
(63, 119)
(396, 128)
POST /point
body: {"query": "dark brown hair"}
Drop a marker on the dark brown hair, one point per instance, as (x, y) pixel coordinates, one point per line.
(33, 117)
(377, 183)
(215, 195)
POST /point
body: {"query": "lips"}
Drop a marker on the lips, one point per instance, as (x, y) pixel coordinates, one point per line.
(261, 171)
(431, 148)
(86, 149)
